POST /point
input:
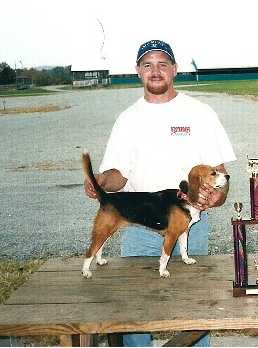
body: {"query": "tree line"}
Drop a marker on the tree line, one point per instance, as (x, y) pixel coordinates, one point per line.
(54, 76)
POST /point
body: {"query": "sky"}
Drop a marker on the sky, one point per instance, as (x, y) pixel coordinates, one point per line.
(86, 33)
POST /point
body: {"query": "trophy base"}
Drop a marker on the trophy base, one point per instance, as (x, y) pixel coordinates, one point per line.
(248, 290)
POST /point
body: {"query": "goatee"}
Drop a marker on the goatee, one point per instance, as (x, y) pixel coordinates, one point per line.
(157, 89)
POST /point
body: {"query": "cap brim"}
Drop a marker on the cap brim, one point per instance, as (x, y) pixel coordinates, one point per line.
(155, 49)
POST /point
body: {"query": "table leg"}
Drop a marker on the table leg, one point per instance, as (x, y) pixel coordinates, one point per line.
(88, 341)
(65, 340)
(186, 338)
(115, 340)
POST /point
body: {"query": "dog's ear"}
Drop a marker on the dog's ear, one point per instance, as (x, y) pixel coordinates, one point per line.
(194, 185)
(184, 186)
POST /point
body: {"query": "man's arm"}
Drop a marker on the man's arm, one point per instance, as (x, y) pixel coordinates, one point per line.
(210, 197)
(111, 180)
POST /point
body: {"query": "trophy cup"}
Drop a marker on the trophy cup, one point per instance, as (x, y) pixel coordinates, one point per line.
(238, 208)
(241, 287)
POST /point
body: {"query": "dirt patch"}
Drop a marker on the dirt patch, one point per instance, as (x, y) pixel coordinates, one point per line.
(68, 187)
(33, 109)
(51, 166)
(254, 97)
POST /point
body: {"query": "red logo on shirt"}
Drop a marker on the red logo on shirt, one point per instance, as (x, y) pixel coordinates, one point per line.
(180, 130)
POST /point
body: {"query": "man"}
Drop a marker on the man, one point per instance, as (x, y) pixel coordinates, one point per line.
(153, 146)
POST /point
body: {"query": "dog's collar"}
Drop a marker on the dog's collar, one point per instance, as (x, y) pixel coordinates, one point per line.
(181, 195)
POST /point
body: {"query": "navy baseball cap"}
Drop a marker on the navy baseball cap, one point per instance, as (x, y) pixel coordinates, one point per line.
(155, 45)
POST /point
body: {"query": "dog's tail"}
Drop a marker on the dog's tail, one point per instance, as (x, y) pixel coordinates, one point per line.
(90, 177)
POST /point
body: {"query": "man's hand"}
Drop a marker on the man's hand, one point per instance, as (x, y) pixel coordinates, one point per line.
(111, 181)
(88, 187)
(210, 197)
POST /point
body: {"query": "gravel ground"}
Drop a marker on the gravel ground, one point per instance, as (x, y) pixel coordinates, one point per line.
(43, 209)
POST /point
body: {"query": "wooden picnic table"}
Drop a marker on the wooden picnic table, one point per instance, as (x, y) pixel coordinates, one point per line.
(127, 295)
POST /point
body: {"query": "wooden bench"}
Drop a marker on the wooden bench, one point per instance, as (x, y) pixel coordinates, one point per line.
(127, 295)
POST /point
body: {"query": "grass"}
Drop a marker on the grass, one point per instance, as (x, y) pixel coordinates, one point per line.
(12, 92)
(13, 274)
(245, 87)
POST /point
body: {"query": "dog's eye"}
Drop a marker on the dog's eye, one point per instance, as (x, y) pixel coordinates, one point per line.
(213, 173)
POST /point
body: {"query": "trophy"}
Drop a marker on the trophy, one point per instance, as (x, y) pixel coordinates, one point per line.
(238, 208)
(253, 171)
(241, 287)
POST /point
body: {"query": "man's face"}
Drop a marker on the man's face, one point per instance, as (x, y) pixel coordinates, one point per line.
(157, 72)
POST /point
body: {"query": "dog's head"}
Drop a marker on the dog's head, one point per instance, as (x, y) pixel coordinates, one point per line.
(204, 174)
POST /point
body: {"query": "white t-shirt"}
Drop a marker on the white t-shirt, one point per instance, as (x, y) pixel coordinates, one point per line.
(155, 146)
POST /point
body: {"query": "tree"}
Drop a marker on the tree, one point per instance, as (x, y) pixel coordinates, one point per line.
(60, 75)
(54, 76)
(7, 74)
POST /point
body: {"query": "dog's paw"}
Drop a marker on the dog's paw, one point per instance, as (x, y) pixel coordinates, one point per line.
(86, 274)
(102, 262)
(189, 261)
(164, 274)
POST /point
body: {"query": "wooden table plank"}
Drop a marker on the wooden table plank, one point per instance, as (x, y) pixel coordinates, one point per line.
(75, 263)
(39, 323)
(128, 295)
(121, 282)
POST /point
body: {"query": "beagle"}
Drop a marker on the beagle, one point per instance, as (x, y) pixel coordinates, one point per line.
(165, 211)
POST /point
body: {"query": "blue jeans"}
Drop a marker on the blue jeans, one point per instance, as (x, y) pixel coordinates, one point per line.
(140, 241)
